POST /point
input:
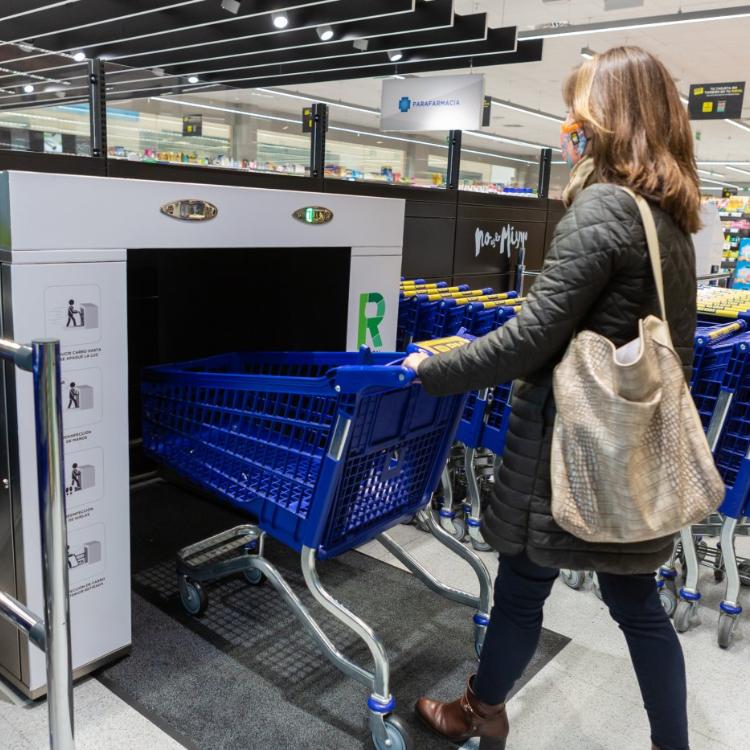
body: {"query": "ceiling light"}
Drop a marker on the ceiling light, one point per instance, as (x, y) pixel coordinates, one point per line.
(158, 71)
(699, 16)
(361, 44)
(719, 182)
(684, 99)
(193, 79)
(280, 20)
(79, 56)
(741, 171)
(325, 33)
(28, 88)
(526, 110)
(588, 53)
(394, 55)
(738, 124)
(26, 47)
(231, 5)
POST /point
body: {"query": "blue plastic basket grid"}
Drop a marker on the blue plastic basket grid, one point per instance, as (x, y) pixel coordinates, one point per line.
(709, 371)
(734, 442)
(259, 437)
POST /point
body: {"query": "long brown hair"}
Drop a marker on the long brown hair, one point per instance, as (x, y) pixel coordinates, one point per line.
(641, 131)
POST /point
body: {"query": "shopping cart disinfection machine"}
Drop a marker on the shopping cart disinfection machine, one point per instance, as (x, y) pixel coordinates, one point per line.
(65, 244)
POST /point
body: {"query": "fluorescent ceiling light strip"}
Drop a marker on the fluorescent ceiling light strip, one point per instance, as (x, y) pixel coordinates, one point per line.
(496, 156)
(740, 171)
(329, 102)
(224, 109)
(312, 25)
(502, 139)
(738, 124)
(37, 10)
(640, 23)
(111, 19)
(709, 187)
(725, 163)
(527, 110)
(719, 182)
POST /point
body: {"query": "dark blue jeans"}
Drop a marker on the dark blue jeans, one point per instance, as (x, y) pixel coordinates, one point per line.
(521, 588)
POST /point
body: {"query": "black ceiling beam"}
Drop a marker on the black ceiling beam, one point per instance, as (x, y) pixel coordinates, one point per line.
(498, 40)
(526, 51)
(96, 21)
(166, 33)
(430, 17)
(470, 28)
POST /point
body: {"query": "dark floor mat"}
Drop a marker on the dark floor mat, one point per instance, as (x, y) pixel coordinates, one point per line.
(246, 675)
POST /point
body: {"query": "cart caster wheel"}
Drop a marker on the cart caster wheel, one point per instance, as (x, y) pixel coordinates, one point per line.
(573, 579)
(480, 546)
(718, 575)
(668, 601)
(458, 529)
(193, 597)
(682, 616)
(727, 624)
(398, 736)
(253, 576)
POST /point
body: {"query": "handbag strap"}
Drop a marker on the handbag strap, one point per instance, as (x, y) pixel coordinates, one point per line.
(652, 240)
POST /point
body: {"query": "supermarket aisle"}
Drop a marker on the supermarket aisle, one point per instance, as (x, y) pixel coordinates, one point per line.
(585, 695)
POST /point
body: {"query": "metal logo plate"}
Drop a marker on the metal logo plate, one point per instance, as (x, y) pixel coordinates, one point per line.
(190, 209)
(313, 215)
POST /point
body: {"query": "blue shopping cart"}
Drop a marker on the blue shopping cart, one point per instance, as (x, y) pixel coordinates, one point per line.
(327, 451)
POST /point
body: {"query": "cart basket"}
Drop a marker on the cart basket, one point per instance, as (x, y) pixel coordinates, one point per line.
(325, 450)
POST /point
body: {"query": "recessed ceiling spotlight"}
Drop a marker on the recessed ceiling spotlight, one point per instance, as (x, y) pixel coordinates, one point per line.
(231, 5)
(394, 55)
(193, 79)
(361, 44)
(26, 47)
(280, 20)
(79, 56)
(28, 89)
(325, 33)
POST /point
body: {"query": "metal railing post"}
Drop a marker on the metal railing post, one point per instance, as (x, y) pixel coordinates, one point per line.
(545, 171)
(454, 159)
(52, 515)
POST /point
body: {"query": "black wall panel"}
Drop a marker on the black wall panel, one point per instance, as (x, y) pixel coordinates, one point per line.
(500, 282)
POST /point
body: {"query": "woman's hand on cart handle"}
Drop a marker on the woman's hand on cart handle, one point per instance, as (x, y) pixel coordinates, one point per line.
(414, 360)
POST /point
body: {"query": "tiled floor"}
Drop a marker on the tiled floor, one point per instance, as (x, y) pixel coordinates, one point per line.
(585, 699)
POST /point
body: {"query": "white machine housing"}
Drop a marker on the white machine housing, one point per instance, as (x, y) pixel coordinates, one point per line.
(63, 253)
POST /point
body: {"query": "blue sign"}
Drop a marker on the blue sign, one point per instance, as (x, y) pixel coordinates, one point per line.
(404, 104)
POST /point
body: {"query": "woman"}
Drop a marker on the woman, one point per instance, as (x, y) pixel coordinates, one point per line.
(626, 127)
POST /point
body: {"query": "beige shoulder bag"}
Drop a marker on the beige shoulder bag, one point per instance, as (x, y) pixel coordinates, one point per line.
(630, 461)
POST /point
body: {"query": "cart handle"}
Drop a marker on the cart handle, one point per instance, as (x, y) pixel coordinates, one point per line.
(358, 378)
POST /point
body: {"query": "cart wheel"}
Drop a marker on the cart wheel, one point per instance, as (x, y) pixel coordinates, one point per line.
(397, 734)
(682, 616)
(193, 597)
(727, 624)
(574, 579)
(668, 600)
(253, 576)
(480, 546)
(718, 575)
(458, 529)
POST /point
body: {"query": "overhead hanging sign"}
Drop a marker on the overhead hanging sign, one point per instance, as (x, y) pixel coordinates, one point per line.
(716, 101)
(192, 125)
(432, 103)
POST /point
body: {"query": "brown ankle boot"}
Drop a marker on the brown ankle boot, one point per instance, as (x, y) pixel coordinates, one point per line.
(466, 717)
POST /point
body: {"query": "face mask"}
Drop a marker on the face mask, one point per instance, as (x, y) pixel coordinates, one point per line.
(572, 141)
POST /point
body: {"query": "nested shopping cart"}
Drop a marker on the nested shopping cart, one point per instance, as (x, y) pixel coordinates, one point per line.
(326, 451)
(729, 437)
